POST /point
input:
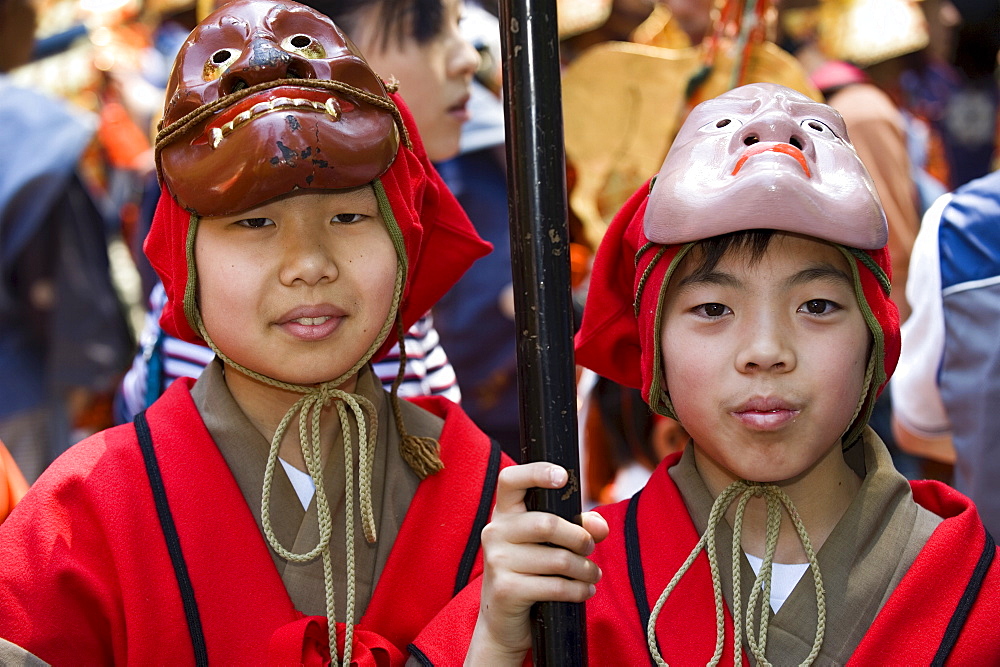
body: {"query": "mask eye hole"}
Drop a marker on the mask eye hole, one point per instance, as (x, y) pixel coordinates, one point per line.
(219, 63)
(303, 45)
(222, 57)
(722, 125)
(814, 126)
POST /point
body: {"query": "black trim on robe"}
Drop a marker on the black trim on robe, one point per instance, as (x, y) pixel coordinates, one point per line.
(635, 574)
(482, 517)
(964, 605)
(173, 540)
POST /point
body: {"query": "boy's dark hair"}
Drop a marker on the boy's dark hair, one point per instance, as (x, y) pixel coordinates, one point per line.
(419, 19)
(711, 251)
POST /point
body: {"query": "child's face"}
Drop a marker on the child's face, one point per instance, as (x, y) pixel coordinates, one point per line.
(765, 362)
(297, 289)
(434, 76)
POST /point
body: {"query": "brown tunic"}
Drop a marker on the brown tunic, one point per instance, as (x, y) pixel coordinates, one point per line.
(861, 562)
(393, 486)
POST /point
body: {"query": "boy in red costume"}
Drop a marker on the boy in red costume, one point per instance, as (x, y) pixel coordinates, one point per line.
(746, 293)
(300, 228)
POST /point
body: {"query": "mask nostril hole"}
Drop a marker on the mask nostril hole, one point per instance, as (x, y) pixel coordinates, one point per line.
(723, 122)
(239, 84)
(751, 140)
(795, 141)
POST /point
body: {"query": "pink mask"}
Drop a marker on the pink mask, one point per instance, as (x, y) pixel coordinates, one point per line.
(764, 157)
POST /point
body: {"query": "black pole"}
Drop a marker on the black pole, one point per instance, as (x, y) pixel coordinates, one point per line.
(536, 176)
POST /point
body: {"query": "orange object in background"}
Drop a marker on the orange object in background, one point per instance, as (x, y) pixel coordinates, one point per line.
(13, 486)
(124, 143)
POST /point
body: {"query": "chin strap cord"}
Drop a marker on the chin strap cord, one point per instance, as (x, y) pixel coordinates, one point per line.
(759, 603)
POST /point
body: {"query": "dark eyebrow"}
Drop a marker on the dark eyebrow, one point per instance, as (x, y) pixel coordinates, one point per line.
(820, 272)
(709, 278)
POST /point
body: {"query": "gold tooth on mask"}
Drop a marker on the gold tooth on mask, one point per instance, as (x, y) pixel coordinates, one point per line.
(219, 133)
(331, 108)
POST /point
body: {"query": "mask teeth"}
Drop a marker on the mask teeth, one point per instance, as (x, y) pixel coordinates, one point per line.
(330, 107)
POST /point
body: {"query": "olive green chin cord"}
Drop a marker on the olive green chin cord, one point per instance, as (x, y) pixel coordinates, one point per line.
(421, 453)
(741, 492)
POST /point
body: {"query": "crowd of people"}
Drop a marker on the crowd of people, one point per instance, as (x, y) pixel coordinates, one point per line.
(252, 233)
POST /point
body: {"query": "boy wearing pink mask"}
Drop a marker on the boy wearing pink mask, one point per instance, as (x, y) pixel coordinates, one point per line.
(746, 292)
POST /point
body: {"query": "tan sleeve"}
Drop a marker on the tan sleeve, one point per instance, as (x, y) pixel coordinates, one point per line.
(12, 655)
(877, 131)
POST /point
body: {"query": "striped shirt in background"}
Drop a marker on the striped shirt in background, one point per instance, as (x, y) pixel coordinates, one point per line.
(161, 359)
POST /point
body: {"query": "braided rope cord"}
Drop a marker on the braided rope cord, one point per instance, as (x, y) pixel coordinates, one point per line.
(309, 408)
(188, 121)
(741, 492)
(645, 274)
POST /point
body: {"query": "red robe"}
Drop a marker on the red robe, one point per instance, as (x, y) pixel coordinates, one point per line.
(956, 568)
(85, 575)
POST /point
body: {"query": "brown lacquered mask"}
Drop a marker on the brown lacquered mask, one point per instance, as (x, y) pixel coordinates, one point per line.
(267, 97)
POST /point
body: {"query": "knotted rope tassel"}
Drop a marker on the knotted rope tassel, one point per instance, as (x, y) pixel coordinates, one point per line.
(421, 453)
(311, 406)
(741, 492)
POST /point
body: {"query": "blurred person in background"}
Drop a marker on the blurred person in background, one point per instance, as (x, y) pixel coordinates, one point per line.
(63, 337)
(953, 86)
(947, 387)
(854, 51)
(476, 317)
(944, 395)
